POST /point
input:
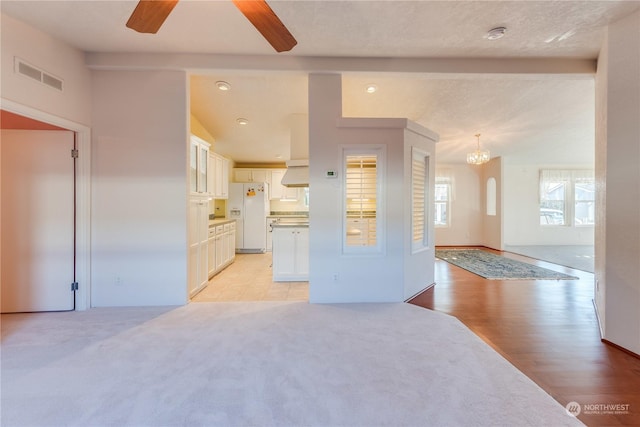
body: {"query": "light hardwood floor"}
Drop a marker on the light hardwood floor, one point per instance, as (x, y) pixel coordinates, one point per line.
(548, 330)
(249, 278)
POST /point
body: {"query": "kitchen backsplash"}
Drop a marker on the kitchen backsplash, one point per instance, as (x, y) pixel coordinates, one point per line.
(218, 207)
(297, 206)
(285, 213)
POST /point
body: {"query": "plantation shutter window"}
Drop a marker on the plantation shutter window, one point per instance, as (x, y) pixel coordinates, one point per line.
(419, 198)
(362, 201)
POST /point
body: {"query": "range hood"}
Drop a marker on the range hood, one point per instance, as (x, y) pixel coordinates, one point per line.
(297, 174)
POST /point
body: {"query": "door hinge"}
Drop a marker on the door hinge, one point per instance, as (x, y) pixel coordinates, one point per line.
(74, 153)
(74, 286)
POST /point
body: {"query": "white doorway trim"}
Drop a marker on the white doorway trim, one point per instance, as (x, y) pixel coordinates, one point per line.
(83, 193)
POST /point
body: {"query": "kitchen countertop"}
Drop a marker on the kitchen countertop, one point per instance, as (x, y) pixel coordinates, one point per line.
(289, 213)
(220, 221)
(290, 224)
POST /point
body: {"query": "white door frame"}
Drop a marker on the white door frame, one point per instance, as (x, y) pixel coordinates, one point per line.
(83, 193)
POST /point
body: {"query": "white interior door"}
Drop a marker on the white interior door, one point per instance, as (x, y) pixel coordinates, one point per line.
(37, 182)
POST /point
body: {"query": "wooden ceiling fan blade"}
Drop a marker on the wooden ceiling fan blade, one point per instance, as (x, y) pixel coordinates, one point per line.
(267, 23)
(149, 15)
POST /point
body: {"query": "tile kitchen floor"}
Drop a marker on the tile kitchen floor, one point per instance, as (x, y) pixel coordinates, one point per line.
(249, 278)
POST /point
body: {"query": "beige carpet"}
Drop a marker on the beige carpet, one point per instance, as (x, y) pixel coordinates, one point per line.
(261, 364)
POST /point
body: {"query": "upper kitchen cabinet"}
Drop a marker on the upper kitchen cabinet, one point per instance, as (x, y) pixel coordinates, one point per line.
(218, 176)
(198, 166)
(252, 175)
(279, 191)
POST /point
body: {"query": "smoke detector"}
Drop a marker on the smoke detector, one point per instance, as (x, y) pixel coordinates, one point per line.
(496, 33)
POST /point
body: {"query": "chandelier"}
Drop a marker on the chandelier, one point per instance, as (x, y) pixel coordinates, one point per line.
(478, 157)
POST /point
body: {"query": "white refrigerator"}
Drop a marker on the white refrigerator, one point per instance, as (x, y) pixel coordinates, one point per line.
(248, 204)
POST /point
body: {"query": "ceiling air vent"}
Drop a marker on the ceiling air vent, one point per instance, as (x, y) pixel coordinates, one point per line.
(36, 73)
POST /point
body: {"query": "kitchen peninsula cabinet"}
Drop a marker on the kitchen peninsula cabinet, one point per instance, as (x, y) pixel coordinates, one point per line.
(361, 231)
(290, 252)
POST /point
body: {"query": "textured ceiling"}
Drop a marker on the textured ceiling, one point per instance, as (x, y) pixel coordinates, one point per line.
(548, 120)
(338, 28)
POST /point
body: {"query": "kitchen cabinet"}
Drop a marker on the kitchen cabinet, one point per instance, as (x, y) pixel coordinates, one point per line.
(252, 175)
(199, 166)
(231, 243)
(361, 231)
(220, 249)
(279, 191)
(222, 239)
(226, 244)
(211, 247)
(198, 244)
(290, 253)
(219, 176)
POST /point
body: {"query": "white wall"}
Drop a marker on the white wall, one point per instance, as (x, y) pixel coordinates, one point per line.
(338, 277)
(419, 266)
(70, 109)
(492, 225)
(618, 129)
(600, 252)
(465, 226)
(517, 190)
(140, 136)
(41, 50)
(522, 210)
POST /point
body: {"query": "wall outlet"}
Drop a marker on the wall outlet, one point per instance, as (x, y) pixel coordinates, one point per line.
(117, 280)
(335, 277)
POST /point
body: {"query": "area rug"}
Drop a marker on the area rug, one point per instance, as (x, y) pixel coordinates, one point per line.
(496, 267)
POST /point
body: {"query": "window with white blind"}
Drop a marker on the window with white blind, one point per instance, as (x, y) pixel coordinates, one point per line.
(419, 199)
(443, 197)
(362, 200)
(567, 197)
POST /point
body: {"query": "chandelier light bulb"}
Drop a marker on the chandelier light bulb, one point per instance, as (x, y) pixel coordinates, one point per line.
(479, 156)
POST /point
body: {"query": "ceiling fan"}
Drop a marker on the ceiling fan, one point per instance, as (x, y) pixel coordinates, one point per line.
(149, 15)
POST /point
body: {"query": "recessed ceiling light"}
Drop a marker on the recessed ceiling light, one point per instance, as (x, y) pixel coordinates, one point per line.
(222, 85)
(496, 33)
(242, 121)
(371, 88)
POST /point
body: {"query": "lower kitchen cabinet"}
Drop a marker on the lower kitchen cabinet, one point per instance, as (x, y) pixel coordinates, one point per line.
(361, 231)
(212, 252)
(222, 247)
(290, 254)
